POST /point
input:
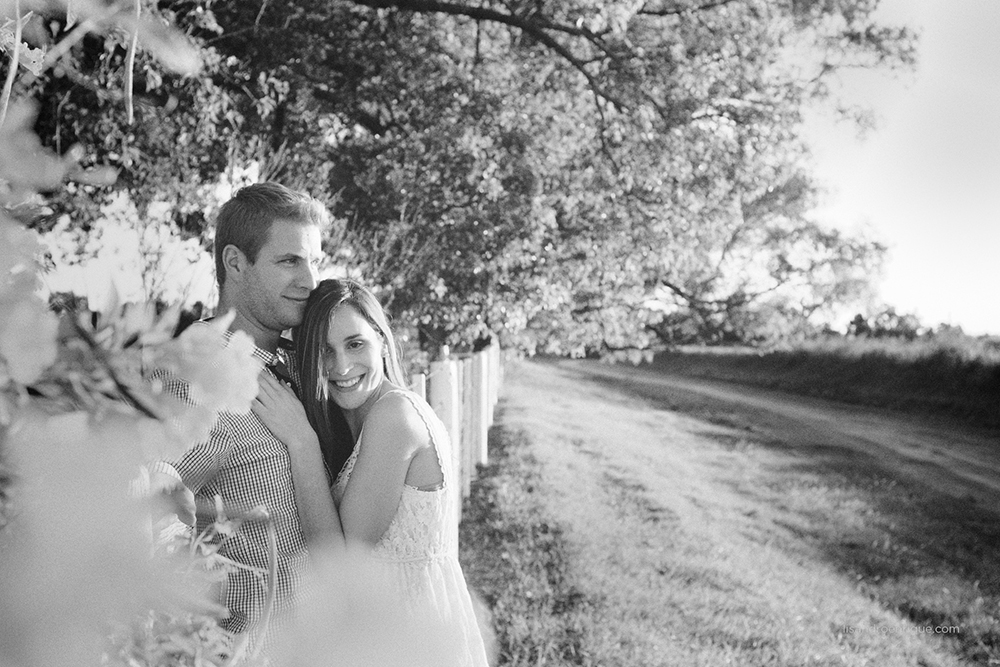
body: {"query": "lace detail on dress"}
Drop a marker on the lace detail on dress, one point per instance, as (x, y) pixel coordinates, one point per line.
(420, 549)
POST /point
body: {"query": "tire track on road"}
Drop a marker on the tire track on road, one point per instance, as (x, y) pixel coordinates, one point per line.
(960, 462)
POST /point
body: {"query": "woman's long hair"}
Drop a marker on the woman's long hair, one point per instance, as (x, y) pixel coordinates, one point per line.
(335, 438)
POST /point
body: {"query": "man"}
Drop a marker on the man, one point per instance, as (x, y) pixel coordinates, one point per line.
(267, 247)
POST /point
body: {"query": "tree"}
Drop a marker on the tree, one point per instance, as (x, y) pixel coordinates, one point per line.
(886, 323)
(642, 199)
(545, 171)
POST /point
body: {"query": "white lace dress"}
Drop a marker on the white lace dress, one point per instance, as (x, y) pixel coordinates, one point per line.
(420, 547)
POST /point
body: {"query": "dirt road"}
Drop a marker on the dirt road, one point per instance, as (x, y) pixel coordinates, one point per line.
(708, 524)
(947, 457)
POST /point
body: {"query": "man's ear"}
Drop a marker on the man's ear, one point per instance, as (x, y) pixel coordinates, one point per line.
(233, 261)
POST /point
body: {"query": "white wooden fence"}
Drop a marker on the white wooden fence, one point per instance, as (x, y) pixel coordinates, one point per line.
(463, 389)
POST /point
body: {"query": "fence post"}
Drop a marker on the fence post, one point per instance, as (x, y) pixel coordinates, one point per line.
(480, 410)
(463, 393)
(445, 399)
(468, 413)
(495, 371)
(457, 450)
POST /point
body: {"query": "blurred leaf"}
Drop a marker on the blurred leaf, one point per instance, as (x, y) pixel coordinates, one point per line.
(95, 176)
(163, 42)
(25, 165)
(27, 336)
(18, 248)
(71, 18)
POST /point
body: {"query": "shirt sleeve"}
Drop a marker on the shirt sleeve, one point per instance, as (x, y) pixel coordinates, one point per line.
(202, 462)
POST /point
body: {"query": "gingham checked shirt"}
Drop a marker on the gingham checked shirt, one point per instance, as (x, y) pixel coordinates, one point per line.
(247, 467)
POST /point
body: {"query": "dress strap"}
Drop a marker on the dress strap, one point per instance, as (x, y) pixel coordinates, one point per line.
(421, 407)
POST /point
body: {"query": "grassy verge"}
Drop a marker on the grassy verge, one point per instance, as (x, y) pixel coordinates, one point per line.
(940, 380)
(516, 560)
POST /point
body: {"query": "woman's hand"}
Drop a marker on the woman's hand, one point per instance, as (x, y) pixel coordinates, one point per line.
(281, 412)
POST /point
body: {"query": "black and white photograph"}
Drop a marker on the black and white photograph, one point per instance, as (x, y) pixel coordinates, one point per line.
(499, 333)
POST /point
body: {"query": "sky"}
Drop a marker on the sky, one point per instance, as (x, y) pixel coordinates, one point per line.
(926, 181)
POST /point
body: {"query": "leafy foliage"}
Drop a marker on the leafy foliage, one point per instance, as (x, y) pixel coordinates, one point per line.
(576, 177)
(87, 549)
(78, 422)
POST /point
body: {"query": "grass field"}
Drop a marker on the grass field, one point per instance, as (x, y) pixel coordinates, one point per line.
(713, 548)
(952, 377)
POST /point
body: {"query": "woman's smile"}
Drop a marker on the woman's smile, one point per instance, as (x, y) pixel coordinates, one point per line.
(347, 384)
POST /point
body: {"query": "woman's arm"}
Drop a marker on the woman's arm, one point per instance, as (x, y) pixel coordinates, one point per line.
(282, 413)
(393, 434)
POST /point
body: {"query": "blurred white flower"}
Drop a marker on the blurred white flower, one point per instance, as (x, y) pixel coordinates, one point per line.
(173, 431)
(179, 426)
(220, 367)
(75, 556)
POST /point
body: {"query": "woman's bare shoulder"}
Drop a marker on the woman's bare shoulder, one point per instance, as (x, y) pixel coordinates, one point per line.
(395, 418)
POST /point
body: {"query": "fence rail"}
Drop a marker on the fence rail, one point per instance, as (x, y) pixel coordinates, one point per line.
(463, 389)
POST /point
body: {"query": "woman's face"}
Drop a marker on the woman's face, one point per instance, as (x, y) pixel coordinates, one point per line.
(352, 358)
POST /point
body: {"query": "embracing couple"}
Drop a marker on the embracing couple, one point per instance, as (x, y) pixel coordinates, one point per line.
(337, 450)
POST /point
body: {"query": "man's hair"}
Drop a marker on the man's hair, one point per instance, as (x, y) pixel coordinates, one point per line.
(245, 220)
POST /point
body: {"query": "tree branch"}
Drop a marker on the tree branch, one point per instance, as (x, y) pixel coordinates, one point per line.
(673, 11)
(538, 29)
(715, 305)
(15, 54)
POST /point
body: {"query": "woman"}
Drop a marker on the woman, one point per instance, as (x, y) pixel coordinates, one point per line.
(394, 490)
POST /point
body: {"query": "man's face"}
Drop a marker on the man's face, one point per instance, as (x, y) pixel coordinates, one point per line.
(277, 285)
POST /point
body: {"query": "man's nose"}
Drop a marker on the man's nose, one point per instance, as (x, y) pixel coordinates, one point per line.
(310, 277)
